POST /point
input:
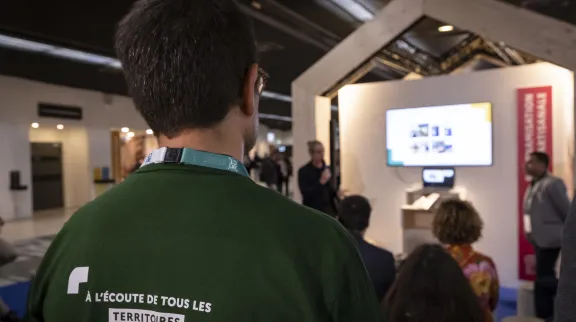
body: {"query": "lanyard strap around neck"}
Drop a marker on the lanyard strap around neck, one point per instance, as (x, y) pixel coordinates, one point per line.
(197, 158)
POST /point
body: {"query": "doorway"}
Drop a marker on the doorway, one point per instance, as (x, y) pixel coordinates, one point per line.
(47, 178)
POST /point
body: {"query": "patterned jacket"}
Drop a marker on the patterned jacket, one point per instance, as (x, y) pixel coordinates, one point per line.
(481, 272)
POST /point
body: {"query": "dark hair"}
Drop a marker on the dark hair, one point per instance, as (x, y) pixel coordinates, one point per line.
(456, 222)
(541, 157)
(184, 61)
(431, 287)
(355, 213)
(312, 144)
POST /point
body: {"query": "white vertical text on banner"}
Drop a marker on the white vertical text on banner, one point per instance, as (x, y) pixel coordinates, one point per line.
(534, 134)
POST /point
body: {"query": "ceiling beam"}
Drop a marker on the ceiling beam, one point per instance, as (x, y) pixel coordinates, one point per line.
(284, 27)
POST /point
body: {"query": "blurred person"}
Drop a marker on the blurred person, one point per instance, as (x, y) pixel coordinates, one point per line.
(546, 207)
(286, 173)
(270, 172)
(248, 163)
(564, 309)
(458, 225)
(318, 191)
(189, 237)
(431, 287)
(355, 214)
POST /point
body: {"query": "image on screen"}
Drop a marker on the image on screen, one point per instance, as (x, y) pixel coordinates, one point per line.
(451, 135)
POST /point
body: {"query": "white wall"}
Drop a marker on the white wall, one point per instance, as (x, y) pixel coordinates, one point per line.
(493, 190)
(19, 99)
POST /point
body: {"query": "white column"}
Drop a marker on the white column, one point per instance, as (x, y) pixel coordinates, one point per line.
(15, 156)
(323, 114)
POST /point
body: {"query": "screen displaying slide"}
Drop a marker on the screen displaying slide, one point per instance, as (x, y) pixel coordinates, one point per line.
(452, 135)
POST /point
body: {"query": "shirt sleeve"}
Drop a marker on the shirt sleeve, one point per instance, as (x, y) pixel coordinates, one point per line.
(34, 306)
(356, 299)
(559, 198)
(38, 292)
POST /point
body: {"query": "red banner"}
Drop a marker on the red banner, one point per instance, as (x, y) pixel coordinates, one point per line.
(534, 134)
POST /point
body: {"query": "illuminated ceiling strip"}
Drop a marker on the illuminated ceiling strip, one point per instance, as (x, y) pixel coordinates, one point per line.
(355, 9)
(275, 117)
(84, 57)
(94, 59)
(66, 53)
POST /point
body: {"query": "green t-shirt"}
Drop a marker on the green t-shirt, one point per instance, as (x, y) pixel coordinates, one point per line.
(181, 243)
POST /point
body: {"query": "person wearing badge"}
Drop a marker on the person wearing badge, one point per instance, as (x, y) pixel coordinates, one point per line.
(546, 206)
(189, 236)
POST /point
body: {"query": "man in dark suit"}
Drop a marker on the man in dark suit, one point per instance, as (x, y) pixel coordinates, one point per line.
(546, 206)
(355, 216)
(314, 181)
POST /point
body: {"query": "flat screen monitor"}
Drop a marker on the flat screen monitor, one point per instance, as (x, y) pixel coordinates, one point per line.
(450, 135)
(438, 177)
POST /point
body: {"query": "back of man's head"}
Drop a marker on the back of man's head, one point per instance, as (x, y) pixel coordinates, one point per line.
(185, 61)
(355, 213)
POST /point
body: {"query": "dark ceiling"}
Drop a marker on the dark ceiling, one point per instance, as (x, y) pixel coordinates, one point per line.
(292, 35)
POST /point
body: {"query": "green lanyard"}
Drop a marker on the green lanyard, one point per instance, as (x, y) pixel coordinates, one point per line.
(197, 158)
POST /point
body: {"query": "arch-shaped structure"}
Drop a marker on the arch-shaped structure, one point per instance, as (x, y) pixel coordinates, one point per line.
(541, 36)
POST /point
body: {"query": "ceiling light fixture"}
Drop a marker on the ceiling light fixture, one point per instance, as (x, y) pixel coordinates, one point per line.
(355, 9)
(35, 125)
(27, 45)
(130, 134)
(445, 28)
(149, 132)
(125, 130)
(60, 126)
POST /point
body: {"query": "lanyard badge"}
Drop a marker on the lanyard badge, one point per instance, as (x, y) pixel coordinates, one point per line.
(196, 158)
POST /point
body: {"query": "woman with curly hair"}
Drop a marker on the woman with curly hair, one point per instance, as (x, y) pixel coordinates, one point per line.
(458, 225)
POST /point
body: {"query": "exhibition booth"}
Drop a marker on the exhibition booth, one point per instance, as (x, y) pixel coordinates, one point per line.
(472, 134)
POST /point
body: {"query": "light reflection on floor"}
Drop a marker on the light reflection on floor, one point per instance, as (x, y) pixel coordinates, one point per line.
(43, 223)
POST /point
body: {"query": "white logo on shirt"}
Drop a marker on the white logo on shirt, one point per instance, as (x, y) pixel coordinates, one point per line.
(78, 276)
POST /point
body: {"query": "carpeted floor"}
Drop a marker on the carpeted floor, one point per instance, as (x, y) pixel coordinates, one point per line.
(31, 252)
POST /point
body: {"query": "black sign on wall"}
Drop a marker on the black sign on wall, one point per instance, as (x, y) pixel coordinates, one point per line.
(59, 111)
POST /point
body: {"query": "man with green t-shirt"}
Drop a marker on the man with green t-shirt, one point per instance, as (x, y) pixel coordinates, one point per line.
(189, 237)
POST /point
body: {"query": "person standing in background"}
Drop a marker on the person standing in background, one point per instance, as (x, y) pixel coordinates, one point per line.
(546, 207)
(287, 165)
(355, 214)
(270, 171)
(318, 191)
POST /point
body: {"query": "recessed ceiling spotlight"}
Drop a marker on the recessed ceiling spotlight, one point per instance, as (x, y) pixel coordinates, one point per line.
(35, 125)
(130, 134)
(149, 132)
(445, 28)
(125, 130)
(60, 126)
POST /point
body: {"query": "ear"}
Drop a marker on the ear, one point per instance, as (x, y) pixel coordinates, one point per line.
(248, 106)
